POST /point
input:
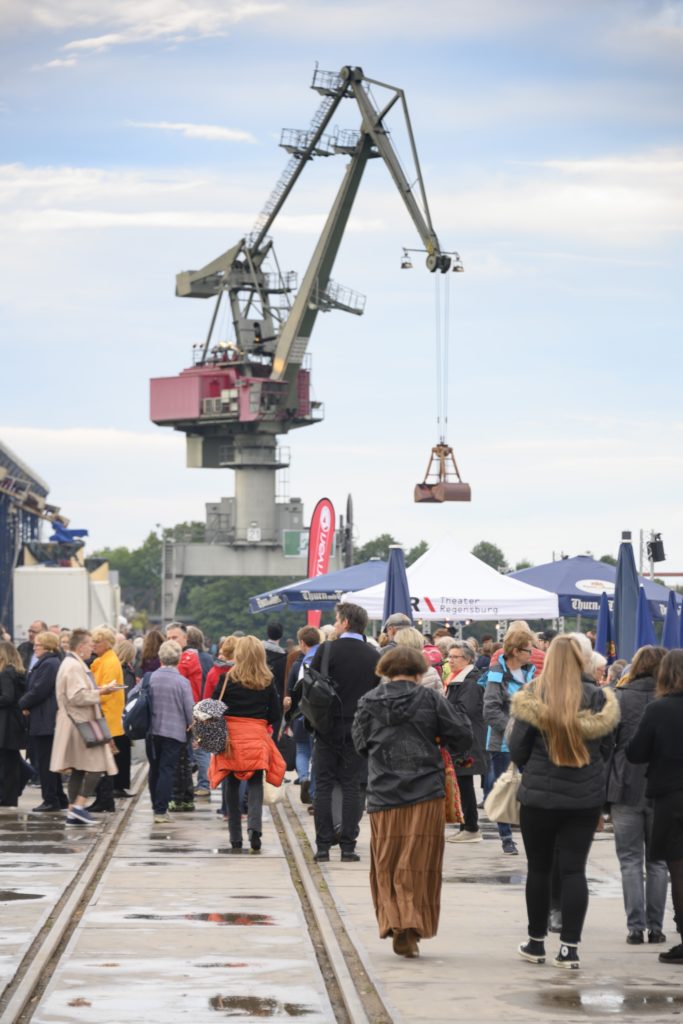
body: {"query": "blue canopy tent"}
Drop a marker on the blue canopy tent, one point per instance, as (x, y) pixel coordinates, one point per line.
(320, 593)
(578, 583)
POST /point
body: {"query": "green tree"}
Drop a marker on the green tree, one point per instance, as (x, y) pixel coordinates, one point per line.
(416, 552)
(524, 564)
(376, 548)
(490, 553)
(608, 559)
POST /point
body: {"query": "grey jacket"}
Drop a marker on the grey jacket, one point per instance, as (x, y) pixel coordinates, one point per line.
(396, 727)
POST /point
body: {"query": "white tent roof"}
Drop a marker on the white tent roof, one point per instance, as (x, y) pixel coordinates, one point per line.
(448, 582)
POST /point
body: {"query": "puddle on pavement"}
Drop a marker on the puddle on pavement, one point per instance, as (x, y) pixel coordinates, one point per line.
(211, 917)
(502, 879)
(27, 865)
(9, 895)
(257, 1006)
(611, 1002)
(45, 848)
(223, 965)
(39, 825)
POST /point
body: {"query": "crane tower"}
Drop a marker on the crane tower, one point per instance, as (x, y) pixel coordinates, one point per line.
(238, 397)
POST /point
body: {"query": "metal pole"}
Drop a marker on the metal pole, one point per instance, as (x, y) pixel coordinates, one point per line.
(651, 559)
(162, 618)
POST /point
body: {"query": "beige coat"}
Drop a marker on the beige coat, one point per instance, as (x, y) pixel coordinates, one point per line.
(77, 693)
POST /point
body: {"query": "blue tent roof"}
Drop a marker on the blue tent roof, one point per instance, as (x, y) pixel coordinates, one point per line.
(578, 583)
(320, 593)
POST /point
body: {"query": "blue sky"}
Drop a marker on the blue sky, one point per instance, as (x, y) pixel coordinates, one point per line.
(138, 139)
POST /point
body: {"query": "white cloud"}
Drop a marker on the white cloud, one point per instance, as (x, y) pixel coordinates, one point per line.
(68, 62)
(212, 132)
(134, 21)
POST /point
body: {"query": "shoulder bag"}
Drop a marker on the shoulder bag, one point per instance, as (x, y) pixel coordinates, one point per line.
(94, 733)
(502, 803)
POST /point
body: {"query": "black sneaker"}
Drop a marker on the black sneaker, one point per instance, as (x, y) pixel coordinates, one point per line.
(305, 793)
(255, 840)
(655, 935)
(509, 846)
(349, 857)
(567, 957)
(673, 955)
(321, 856)
(635, 938)
(533, 951)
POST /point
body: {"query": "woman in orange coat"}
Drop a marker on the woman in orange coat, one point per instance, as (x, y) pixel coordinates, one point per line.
(106, 669)
(253, 711)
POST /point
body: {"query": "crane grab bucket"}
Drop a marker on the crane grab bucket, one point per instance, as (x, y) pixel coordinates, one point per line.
(442, 480)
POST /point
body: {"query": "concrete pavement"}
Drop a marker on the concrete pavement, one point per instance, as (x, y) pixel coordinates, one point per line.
(181, 929)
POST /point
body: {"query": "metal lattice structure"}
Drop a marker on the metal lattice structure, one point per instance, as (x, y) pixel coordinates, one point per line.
(22, 492)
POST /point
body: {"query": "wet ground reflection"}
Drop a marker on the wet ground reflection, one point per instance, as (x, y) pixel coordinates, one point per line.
(9, 895)
(212, 917)
(257, 1006)
(612, 1002)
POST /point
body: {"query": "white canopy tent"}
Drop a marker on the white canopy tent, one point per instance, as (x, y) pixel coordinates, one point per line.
(448, 582)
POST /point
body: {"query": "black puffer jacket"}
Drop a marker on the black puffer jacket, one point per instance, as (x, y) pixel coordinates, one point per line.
(469, 696)
(40, 697)
(396, 727)
(626, 781)
(555, 787)
(13, 731)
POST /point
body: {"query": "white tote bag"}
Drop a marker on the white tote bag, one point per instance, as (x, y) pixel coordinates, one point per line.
(502, 803)
(272, 794)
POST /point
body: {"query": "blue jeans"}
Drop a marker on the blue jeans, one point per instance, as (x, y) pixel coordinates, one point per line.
(203, 759)
(644, 903)
(163, 754)
(500, 762)
(304, 753)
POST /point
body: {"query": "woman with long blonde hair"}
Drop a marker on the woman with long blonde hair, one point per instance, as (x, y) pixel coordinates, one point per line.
(253, 711)
(562, 735)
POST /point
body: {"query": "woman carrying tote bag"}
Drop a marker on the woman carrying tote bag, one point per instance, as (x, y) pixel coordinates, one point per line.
(562, 736)
(78, 701)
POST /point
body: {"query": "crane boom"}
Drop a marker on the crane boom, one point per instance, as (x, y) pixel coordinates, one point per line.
(239, 395)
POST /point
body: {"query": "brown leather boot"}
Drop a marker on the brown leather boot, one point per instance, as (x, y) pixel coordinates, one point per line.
(400, 943)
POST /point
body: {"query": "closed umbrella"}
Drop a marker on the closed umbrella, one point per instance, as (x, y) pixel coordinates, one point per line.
(645, 630)
(604, 641)
(626, 593)
(396, 591)
(670, 633)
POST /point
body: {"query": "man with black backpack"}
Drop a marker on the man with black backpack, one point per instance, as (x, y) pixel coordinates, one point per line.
(349, 663)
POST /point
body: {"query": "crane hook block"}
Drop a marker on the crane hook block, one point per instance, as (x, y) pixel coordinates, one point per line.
(439, 484)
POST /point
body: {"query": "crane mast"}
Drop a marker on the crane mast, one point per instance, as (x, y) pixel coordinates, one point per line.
(239, 396)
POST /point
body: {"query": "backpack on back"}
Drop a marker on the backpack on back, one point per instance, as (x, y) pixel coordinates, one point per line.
(319, 700)
(137, 714)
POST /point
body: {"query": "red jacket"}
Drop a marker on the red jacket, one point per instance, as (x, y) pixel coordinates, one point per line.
(250, 749)
(191, 667)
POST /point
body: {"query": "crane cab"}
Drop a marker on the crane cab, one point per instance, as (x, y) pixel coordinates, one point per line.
(442, 480)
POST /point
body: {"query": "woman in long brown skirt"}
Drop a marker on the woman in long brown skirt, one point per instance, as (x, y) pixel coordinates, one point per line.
(398, 727)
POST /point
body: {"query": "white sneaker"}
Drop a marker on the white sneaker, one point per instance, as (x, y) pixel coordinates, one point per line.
(466, 837)
(163, 819)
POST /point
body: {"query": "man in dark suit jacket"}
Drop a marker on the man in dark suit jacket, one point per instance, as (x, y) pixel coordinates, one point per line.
(352, 669)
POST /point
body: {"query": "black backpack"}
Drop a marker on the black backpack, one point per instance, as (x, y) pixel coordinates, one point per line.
(137, 714)
(319, 700)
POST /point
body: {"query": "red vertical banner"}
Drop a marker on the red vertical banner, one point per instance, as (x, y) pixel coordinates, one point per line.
(320, 537)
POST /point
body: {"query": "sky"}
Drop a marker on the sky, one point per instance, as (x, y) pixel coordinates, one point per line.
(139, 139)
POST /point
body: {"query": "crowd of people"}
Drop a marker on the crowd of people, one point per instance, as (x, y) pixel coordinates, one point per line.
(592, 742)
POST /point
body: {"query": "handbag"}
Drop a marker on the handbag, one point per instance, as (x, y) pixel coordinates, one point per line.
(272, 794)
(502, 803)
(319, 701)
(454, 815)
(94, 733)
